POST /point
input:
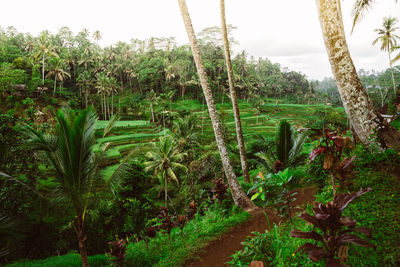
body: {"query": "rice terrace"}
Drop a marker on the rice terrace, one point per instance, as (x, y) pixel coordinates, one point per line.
(240, 141)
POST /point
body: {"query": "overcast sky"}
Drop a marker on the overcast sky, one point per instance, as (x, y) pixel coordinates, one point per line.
(285, 31)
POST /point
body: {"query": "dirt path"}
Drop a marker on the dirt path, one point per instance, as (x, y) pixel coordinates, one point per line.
(217, 252)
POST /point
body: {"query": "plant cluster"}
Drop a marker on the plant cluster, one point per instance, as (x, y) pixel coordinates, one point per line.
(337, 231)
(275, 189)
(117, 252)
(334, 146)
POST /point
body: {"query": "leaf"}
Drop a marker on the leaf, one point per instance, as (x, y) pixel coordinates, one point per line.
(311, 219)
(363, 230)
(347, 162)
(328, 160)
(316, 152)
(255, 195)
(314, 252)
(311, 235)
(348, 221)
(348, 238)
(343, 200)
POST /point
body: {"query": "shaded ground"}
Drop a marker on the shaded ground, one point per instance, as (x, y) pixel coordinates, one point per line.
(217, 253)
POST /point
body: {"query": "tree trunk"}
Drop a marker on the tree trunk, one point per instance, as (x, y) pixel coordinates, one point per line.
(391, 69)
(55, 84)
(366, 121)
(152, 111)
(239, 197)
(43, 68)
(232, 89)
(166, 190)
(82, 247)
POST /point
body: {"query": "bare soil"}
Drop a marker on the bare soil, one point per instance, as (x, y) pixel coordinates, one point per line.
(218, 252)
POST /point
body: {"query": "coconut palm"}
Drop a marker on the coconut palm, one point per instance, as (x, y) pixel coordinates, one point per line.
(232, 90)
(152, 97)
(97, 36)
(388, 40)
(85, 82)
(361, 7)
(366, 121)
(184, 132)
(58, 68)
(239, 197)
(43, 48)
(165, 161)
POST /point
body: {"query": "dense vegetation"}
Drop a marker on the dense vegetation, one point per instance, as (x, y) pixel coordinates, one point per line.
(109, 156)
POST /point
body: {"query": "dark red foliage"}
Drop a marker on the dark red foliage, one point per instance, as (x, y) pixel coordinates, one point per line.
(336, 230)
(192, 210)
(181, 221)
(333, 146)
(278, 166)
(151, 232)
(118, 252)
(167, 221)
(219, 190)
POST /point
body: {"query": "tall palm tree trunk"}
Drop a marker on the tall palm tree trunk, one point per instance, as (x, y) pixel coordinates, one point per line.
(235, 105)
(391, 69)
(79, 227)
(363, 116)
(152, 111)
(43, 68)
(55, 85)
(239, 197)
(82, 247)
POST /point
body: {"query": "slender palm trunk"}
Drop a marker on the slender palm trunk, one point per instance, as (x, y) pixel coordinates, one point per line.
(152, 111)
(43, 68)
(239, 197)
(79, 228)
(166, 190)
(55, 84)
(232, 89)
(112, 103)
(391, 69)
(363, 116)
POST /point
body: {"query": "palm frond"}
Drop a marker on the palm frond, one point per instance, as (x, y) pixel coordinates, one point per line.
(298, 144)
(360, 8)
(110, 125)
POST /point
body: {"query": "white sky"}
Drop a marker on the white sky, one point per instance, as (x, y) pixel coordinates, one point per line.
(285, 31)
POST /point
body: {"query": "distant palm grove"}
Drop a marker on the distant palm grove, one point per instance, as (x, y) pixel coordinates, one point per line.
(153, 153)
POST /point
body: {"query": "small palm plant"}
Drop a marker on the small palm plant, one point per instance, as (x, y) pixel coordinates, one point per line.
(288, 146)
(164, 160)
(75, 165)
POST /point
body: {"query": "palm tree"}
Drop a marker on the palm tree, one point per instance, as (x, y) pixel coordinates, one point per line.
(232, 89)
(85, 82)
(239, 197)
(152, 97)
(388, 40)
(366, 121)
(97, 36)
(164, 162)
(43, 48)
(361, 7)
(58, 69)
(74, 163)
(184, 132)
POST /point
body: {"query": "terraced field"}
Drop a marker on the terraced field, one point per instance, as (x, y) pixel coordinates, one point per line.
(128, 134)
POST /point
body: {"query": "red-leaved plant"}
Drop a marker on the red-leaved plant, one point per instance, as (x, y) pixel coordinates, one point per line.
(332, 146)
(117, 252)
(219, 191)
(337, 231)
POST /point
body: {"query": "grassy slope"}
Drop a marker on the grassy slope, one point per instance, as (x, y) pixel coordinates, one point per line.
(195, 236)
(378, 210)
